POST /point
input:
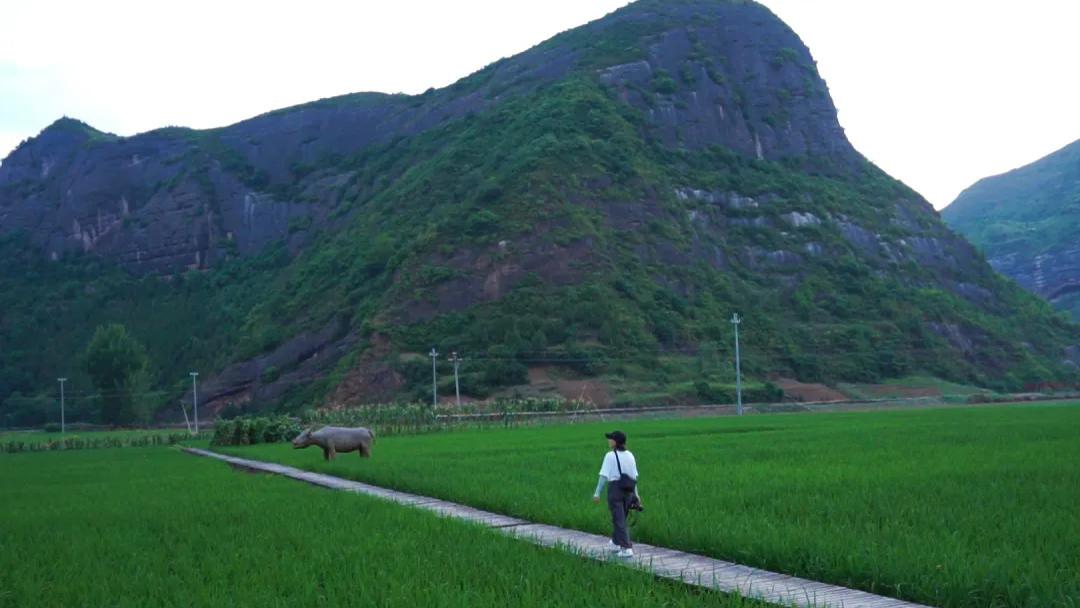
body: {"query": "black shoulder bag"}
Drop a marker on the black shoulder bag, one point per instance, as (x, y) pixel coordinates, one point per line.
(625, 483)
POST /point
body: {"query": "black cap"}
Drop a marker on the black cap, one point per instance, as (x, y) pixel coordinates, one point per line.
(618, 436)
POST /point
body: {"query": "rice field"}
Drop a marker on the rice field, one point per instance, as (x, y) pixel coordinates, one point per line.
(155, 527)
(959, 508)
(122, 434)
(35, 441)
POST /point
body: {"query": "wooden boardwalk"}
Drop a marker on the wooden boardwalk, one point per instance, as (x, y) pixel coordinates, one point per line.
(715, 574)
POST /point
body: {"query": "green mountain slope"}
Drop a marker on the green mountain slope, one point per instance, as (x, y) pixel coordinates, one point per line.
(1027, 222)
(590, 235)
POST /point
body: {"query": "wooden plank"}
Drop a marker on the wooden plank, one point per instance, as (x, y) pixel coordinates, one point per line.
(727, 577)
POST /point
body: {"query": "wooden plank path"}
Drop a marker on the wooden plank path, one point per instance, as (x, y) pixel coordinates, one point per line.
(697, 570)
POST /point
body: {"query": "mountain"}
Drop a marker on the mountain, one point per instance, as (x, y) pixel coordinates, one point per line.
(1027, 222)
(582, 218)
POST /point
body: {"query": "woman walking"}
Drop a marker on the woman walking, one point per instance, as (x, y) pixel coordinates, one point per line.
(619, 473)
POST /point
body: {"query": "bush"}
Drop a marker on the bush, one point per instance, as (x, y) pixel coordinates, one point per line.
(663, 83)
(766, 393)
(714, 395)
(232, 410)
(588, 362)
(270, 374)
(248, 430)
(25, 411)
(503, 369)
(51, 427)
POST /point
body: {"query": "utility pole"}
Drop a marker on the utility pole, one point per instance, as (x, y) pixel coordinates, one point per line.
(62, 425)
(735, 320)
(187, 423)
(434, 386)
(457, 387)
(195, 398)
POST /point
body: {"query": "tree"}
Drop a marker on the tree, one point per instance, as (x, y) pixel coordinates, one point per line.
(28, 410)
(118, 367)
(503, 369)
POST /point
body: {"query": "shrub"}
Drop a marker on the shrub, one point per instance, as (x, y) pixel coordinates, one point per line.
(663, 83)
(248, 430)
(51, 427)
(714, 395)
(231, 410)
(270, 374)
(505, 372)
(766, 393)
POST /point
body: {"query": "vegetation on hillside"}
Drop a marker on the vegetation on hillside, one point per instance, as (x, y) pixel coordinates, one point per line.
(553, 167)
(554, 229)
(52, 309)
(1027, 222)
(1030, 210)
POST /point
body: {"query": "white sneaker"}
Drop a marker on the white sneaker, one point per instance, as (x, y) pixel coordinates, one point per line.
(611, 546)
(626, 553)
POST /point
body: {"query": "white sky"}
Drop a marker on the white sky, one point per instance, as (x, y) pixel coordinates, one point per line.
(939, 93)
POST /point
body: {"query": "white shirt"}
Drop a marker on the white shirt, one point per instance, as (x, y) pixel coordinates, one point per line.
(610, 469)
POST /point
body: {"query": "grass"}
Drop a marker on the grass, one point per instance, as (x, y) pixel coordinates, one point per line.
(15, 442)
(952, 507)
(904, 387)
(944, 386)
(43, 437)
(142, 527)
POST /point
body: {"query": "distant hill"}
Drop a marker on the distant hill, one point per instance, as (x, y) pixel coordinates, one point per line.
(583, 218)
(1027, 222)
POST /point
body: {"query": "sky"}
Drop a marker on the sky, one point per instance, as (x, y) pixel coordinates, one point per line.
(939, 93)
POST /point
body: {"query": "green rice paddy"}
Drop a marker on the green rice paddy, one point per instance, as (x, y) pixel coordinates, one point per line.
(971, 507)
(155, 527)
(93, 437)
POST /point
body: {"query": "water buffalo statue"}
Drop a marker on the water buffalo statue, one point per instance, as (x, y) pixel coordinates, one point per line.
(334, 439)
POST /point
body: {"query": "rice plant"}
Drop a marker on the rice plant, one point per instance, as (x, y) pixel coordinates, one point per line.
(154, 527)
(963, 508)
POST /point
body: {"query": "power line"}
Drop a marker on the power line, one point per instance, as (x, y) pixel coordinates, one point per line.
(766, 357)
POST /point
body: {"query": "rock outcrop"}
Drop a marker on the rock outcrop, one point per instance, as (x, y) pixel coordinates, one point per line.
(715, 73)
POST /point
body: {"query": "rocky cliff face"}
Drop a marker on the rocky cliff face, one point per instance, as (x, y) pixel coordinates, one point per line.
(177, 199)
(621, 188)
(1027, 221)
(158, 202)
(742, 80)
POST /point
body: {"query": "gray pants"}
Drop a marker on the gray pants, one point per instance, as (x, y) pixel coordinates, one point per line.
(618, 503)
